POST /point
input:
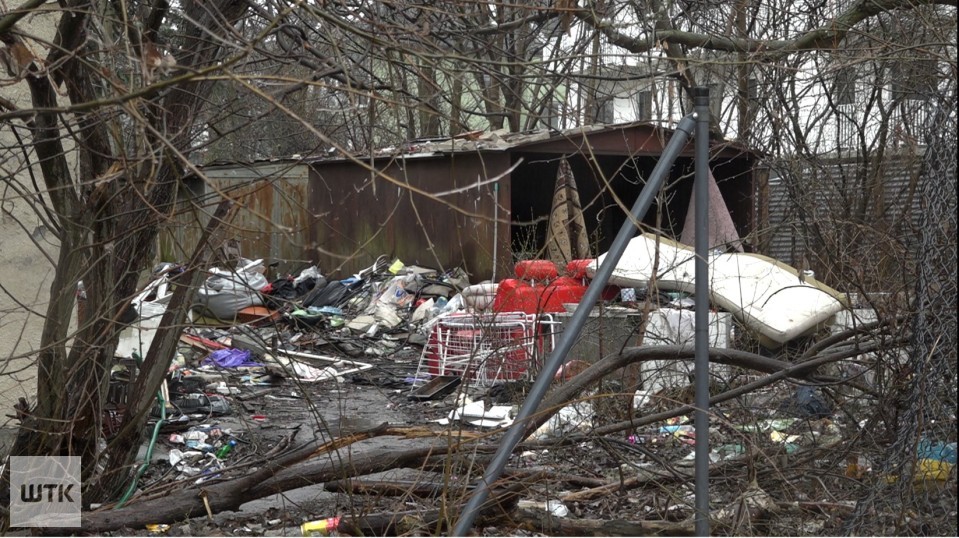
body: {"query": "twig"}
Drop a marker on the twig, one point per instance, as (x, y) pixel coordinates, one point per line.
(206, 503)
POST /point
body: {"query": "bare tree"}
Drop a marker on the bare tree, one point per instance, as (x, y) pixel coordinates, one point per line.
(132, 78)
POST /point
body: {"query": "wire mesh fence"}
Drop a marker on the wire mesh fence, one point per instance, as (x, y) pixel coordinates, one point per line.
(914, 492)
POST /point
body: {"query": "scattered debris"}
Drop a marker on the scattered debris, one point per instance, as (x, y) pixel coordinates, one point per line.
(397, 365)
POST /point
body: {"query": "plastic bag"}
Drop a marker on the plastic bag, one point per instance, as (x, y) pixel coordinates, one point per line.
(310, 272)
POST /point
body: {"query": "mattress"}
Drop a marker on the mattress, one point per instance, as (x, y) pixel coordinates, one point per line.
(765, 295)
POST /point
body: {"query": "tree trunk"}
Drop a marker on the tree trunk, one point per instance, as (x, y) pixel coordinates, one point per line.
(123, 448)
(107, 216)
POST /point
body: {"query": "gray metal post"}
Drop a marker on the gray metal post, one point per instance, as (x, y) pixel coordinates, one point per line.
(514, 434)
(701, 417)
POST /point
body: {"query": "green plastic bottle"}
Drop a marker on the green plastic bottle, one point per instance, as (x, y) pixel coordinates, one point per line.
(225, 449)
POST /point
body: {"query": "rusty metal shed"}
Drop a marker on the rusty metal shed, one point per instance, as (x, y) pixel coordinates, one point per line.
(477, 203)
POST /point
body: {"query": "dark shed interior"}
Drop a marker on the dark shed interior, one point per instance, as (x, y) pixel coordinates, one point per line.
(610, 173)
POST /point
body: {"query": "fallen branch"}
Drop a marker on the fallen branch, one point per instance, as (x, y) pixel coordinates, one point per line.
(606, 489)
(757, 460)
(300, 467)
(777, 370)
(638, 481)
(826, 508)
(499, 507)
(540, 475)
(432, 489)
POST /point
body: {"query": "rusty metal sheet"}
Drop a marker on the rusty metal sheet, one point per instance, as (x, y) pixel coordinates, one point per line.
(361, 214)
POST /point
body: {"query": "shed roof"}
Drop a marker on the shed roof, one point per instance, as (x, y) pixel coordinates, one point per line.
(633, 138)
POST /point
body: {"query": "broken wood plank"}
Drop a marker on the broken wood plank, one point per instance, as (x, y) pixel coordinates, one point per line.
(203, 344)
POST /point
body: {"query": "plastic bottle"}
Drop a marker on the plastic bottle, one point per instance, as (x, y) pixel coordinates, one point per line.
(439, 306)
(225, 449)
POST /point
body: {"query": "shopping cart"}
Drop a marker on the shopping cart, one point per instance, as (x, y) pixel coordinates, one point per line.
(486, 348)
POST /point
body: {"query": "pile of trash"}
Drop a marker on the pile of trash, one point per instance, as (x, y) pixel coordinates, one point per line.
(296, 325)
(383, 298)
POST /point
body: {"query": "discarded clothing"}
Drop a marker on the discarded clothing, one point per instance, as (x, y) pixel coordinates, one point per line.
(231, 358)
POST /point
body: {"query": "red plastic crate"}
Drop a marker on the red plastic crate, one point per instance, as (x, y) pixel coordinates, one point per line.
(561, 291)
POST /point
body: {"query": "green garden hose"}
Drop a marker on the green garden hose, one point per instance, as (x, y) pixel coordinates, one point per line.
(149, 454)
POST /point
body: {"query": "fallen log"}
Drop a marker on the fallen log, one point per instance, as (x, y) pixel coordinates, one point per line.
(229, 495)
(425, 489)
(480, 456)
(392, 488)
(300, 467)
(499, 507)
(318, 470)
(501, 510)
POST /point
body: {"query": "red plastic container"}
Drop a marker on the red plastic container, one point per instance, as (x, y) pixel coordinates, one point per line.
(577, 268)
(538, 270)
(610, 293)
(562, 290)
(514, 295)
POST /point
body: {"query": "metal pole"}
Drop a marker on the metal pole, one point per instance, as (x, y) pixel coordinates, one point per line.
(701, 418)
(495, 226)
(515, 433)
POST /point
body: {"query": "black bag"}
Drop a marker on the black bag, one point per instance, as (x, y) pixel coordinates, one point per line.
(309, 284)
(330, 295)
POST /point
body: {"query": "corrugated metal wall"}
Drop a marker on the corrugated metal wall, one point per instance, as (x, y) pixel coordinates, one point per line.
(432, 209)
(837, 193)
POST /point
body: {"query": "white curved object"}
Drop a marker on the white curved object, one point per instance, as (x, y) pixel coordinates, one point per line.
(766, 295)
(480, 296)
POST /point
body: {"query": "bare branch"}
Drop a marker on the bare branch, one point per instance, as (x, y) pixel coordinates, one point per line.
(828, 36)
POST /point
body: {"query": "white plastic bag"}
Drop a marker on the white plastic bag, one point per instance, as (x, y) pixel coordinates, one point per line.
(310, 272)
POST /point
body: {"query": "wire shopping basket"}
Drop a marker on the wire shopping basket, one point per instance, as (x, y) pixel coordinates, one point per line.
(487, 348)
